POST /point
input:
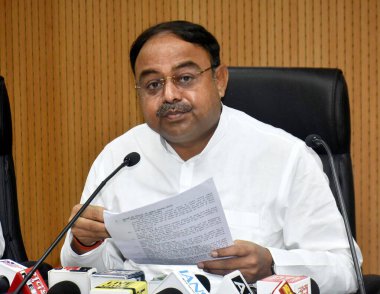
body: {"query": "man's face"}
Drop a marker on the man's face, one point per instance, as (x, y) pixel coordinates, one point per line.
(184, 114)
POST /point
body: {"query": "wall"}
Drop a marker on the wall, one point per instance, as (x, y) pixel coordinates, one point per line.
(67, 71)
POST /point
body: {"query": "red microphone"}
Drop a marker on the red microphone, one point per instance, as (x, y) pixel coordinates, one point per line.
(35, 285)
(15, 273)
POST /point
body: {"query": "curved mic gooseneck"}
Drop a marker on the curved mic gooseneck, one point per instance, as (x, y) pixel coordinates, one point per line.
(130, 160)
(315, 141)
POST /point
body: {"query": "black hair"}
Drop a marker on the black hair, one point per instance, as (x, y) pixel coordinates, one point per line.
(187, 31)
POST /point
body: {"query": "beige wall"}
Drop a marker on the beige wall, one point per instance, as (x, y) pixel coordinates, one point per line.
(67, 71)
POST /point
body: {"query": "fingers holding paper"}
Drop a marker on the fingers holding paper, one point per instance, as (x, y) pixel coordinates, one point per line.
(252, 260)
(89, 228)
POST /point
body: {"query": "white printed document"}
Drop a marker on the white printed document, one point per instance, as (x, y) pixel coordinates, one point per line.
(180, 230)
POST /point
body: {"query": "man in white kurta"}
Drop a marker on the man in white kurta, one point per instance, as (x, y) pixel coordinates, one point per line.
(278, 205)
(271, 185)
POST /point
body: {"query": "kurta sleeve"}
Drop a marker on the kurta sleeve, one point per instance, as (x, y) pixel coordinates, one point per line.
(106, 256)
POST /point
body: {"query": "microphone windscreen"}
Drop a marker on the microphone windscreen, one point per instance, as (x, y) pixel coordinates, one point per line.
(204, 281)
(4, 284)
(312, 140)
(132, 158)
(64, 287)
(170, 291)
(314, 287)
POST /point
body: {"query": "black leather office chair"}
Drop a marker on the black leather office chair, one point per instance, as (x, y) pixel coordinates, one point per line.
(303, 101)
(9, 216)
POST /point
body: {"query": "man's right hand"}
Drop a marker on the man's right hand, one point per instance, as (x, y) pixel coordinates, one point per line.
(89, 229)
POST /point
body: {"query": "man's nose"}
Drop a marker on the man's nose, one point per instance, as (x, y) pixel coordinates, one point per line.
(170, 90)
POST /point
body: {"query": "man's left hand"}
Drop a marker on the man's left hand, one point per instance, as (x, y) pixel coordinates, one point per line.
(252, 260)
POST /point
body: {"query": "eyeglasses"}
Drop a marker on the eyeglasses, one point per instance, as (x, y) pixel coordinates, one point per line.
(183, 81)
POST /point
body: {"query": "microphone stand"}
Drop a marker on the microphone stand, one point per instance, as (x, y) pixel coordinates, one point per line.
(313, 141)
(130, 160)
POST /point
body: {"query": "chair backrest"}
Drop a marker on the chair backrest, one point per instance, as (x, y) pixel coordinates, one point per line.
(302, 101)
(9, 216)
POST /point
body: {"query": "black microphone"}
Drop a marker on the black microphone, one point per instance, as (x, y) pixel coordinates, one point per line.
(315, 141)
(204, 281)
(130, 160)
(314, 287)
(64, 287)
(170, 291)
(4, 284)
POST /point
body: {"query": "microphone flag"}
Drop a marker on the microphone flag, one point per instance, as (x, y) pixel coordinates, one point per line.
(35, 285)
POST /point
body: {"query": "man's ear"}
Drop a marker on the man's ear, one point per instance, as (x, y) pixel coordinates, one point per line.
(221, 79)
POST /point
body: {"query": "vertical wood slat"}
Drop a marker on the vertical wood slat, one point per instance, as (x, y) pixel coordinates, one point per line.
(72, 91)
(364, 114)
(371, 121)
(376, 181)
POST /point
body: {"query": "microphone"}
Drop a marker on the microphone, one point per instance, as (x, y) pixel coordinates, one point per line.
(80, 276)
(120, 286)
(64, 287)
(204, 281)
(278, 284)
(130, 160)
(170, 291)
(35, 285)
(9, 269)
(315, 141)
(234, 282)
(4, 284)
(182, 281)
(314, 286)
(15, 273)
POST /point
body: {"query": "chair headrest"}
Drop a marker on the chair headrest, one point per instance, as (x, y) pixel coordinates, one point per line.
(302, 101)
(5, 120)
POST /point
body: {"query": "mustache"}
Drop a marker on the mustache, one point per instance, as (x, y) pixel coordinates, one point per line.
(166, 107)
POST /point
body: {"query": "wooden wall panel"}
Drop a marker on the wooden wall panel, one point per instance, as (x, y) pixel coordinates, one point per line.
(66, 65)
